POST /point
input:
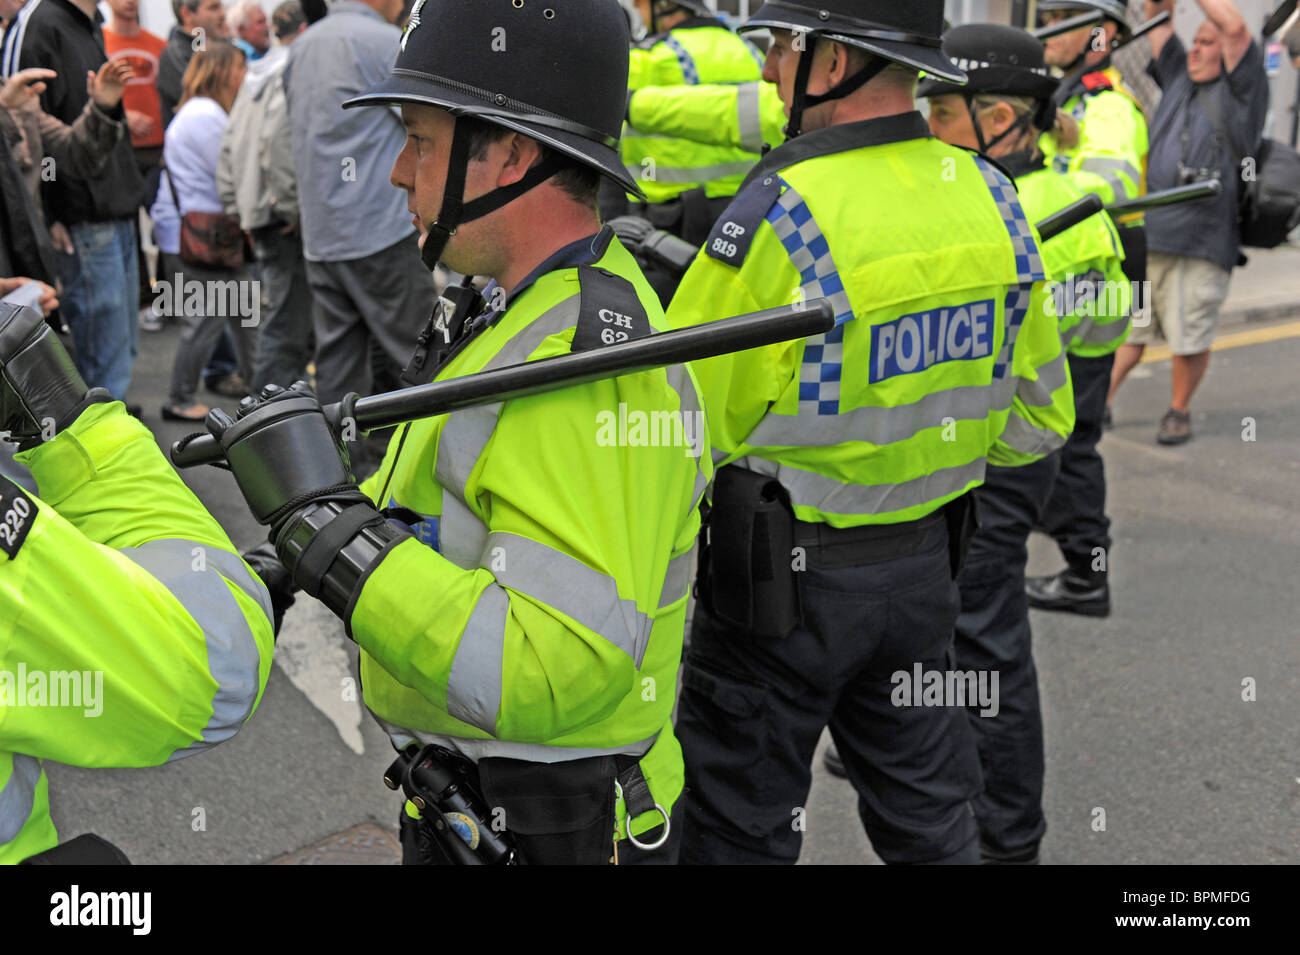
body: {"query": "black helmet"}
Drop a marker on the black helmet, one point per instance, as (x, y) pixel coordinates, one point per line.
(997, 59)
(1115, 10)
(907, 33)
(554, 70)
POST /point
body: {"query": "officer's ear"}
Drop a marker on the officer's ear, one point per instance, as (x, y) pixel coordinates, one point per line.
(517, 154)
(1001, 116)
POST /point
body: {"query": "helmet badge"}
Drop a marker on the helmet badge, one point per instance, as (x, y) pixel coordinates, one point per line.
(413, 22)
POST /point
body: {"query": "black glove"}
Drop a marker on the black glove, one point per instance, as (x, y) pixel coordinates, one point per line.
(649, 244)
(279, 582)
(295, 476)
(40, 390)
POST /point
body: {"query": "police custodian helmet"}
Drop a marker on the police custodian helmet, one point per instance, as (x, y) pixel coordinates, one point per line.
(906, 33)
(554, 70)
(1115, 10)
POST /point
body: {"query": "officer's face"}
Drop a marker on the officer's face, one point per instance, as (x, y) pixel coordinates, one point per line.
(421, 171)
(1205, 58)
(1061, 51)
(950, 121)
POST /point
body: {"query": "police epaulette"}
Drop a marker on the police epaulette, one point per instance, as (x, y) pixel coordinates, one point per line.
(609, 310)
(734, 231)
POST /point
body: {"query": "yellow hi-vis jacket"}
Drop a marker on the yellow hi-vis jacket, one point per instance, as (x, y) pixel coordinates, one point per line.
(946, 355)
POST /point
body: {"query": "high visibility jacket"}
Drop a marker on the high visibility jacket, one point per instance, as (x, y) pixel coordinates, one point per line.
(945, 355)
(742, 115)
(540, 612)
(1084, 267)
(1111, 158)
(700, 50)
(131, 633)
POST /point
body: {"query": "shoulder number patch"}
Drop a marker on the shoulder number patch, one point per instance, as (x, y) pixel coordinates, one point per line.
(734, 231)
(17, 514)
(609, 311)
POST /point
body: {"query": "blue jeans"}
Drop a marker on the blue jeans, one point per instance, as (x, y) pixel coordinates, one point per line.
(101, 302)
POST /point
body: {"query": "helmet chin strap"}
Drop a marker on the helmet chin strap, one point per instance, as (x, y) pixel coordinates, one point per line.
(803, 100)
(456, 211)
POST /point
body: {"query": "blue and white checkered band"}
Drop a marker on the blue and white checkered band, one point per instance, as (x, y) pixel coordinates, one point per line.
(823, 355)
(1029, 263)
(1017, 307)
(967, 65)
(689, 70)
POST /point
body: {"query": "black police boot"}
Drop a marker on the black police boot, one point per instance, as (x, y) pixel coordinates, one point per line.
(1069, 593)
(834, 765)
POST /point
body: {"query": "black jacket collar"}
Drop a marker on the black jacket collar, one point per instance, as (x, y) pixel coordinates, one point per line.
(837, 139)
(1023, 163)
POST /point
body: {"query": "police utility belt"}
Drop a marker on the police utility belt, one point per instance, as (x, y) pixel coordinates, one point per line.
(751, 547)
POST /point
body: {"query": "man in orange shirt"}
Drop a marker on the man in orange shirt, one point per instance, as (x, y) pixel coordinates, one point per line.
(124, 37)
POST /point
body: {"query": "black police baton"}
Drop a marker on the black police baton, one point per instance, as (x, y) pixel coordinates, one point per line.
(1069, 26)
(771, 325)
(1090, 205)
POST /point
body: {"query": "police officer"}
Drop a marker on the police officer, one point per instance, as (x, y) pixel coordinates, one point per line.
(686, 184)
(1002, 111)
(131, 634)
(1109, 160)
(827, 594)
(524, 620)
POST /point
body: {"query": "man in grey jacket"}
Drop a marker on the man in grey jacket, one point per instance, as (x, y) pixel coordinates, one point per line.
(256, 181)
(363, 261)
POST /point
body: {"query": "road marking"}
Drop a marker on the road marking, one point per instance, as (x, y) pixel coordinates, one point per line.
(1254, 336)
(312, 651)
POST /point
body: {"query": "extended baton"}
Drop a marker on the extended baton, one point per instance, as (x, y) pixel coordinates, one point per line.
(1095, 17)
(1069, 217)
(708, 340)
(1081, 209)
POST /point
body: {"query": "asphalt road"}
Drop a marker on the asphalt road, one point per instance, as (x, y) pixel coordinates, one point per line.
(1144, 712)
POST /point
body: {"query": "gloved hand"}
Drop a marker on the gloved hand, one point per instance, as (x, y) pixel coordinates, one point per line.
(649, 244)
(279, 582)
(40, 390)
(295, 476)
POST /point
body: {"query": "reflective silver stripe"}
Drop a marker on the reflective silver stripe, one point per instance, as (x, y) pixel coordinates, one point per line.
(18, 798)
(568, 585)
(692, 176)
(749, 120)
(474, 684)
(1109, 169)
(677, 582)
(13, 470)
(1095, 333)
(476, 749)
(233, 657)
(461, 535)
(1053, 375)
(1020, 435)
(809, 489)
(879, 426)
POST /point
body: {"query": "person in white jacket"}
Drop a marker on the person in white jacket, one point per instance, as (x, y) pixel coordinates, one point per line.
(193, 144)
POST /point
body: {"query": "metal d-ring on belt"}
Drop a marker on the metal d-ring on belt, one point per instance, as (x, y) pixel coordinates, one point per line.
(631, 783)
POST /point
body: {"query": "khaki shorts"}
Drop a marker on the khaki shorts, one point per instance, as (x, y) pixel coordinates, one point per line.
(1186, 295)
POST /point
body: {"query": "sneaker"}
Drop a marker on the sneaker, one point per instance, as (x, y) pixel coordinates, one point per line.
(1175, 427)
(1068, 593)
(149, 322)
(231, 386)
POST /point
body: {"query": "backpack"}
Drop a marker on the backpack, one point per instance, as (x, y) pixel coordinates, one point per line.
(1268, 205)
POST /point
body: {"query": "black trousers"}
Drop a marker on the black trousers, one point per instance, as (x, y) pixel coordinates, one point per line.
(1075, 513)
(752, 710)
(993, 635)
